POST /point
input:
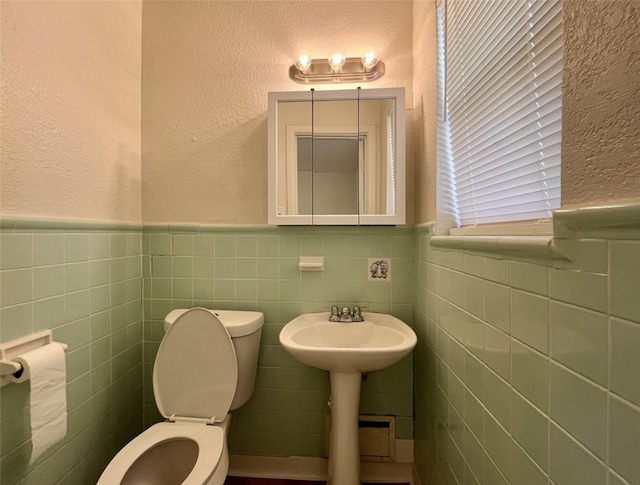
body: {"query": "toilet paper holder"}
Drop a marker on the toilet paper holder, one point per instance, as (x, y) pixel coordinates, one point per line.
(12, 349)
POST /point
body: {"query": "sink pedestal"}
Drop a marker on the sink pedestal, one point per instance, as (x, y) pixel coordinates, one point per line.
(344, 446)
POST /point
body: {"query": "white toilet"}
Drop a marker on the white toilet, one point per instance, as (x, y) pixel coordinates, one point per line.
(205, 367)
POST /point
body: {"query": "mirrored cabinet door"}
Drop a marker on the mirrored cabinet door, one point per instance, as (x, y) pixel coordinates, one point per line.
(336, 157)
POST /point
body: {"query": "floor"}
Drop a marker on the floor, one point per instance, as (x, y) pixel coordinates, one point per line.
(271, 481)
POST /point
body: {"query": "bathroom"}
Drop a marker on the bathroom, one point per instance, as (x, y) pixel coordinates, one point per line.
(134, 181)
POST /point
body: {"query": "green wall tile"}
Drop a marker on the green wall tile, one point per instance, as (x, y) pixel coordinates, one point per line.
(579, 407)
(311, 245)
(183, 245)
(530, 319)
(288, 268)
(378, 247)
(530, 277)
(48, 249)
(576, 340)
(50, 281)
(524, 471)
(118, 245)
(473, 265)
(75, 334)
(624, 447)
(225, 246)
(48, 313)
(584, 289)
(497, 351)
(203, 267)
(268, 246)
(16, 286)
(625, 359)
(99, 272)
(203, 289)
(497, 306)
(497, 443)
(474, 296)
(17, 321)
(496, 397)
(160, 244)
(161, 266)
(571, 463)
(225, 268)
(182, 288)
(246, 246)
(183, 267)
(224, 289)
(593, 255)
(496, 270)
(17, 250)
(530, 428)
(76, 247)
(530, 374)
(76, 276)
(203, 245)
(472, 410)
(118, 270)
(625, 279)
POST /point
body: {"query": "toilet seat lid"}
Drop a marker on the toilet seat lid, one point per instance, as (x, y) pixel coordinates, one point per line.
(195, 371)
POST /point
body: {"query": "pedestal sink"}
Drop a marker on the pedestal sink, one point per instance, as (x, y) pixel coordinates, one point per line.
(346, 349)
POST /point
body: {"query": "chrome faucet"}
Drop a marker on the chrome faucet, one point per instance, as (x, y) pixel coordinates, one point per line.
(345, 315)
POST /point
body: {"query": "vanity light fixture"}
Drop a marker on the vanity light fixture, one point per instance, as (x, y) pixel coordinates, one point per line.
(336, 69)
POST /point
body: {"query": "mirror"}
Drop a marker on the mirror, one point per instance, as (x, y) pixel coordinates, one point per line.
(337, 157)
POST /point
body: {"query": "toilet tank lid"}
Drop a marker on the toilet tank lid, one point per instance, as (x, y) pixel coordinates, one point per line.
(237, 322)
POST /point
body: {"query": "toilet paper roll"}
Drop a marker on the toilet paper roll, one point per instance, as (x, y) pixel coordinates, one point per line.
(45, 368)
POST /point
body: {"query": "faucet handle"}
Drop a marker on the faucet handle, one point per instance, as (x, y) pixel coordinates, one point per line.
(357, 316)
(335, 316)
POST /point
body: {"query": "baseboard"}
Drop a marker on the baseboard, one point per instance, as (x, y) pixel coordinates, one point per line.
(315, 468)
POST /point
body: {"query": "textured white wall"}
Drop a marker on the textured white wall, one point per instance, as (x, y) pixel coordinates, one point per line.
(207, 69)
(601, 102)
(70, 112)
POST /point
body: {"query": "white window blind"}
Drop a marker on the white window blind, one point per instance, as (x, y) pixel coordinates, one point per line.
(502, 109)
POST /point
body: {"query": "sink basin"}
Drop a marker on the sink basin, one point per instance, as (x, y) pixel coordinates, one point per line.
(378, 342)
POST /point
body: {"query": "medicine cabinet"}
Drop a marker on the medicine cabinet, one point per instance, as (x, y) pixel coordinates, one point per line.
(337, 157)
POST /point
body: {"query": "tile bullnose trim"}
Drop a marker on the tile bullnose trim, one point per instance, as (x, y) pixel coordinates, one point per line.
(19, 223)
(620, 221)
(502, 247)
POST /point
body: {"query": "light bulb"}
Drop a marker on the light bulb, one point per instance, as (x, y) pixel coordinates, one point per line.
(369, 59)
(303, 62)
(336, 61)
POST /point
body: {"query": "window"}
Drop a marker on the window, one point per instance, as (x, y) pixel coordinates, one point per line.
(500, 106)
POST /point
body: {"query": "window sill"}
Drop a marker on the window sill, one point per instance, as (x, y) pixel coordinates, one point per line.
(541, 227)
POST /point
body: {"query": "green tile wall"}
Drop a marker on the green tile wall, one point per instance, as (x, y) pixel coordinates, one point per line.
(84, 283)
(527, 373)
(257, 269)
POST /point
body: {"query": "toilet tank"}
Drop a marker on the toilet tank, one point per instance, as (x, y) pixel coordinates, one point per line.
(245, 330)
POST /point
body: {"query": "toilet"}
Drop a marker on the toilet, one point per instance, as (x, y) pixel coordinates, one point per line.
(205, 367)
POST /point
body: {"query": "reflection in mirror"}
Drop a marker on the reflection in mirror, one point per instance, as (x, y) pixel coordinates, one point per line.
(334, 177)
(336, 157)
(335, 173)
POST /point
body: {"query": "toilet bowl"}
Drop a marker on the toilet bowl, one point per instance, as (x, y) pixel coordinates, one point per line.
(203, 369)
